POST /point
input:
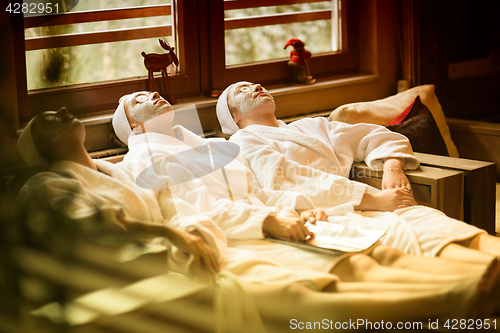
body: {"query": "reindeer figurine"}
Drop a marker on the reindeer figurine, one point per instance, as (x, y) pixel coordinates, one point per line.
(155, 62)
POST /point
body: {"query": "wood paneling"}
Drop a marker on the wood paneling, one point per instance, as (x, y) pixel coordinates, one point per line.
(242, 4)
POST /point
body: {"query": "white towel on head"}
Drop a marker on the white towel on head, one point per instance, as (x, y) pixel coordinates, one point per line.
(224, 115)
(27, 150)
(120, 122)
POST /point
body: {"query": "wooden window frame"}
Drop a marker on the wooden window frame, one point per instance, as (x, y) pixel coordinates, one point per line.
(102, 96)
(275, 71)
(88, 38)
(200, 43)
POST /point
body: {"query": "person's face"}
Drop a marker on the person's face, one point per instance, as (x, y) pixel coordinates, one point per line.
(51, 127)
(247, 96)
(143, 106)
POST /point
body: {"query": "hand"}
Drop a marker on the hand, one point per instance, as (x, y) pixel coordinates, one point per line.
(193, 243)
(313, 215)
(285, 227)
(394, 176)
(395, 179)
(186, 242)
(389, 200)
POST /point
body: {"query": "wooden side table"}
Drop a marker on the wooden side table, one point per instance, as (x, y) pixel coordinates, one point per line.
(479, 187)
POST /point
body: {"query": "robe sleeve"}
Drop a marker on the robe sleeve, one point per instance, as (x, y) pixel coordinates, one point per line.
(64, 195)
(374, 144)
(272, 198)
(50, 191)
(274, 171)
(243, 221)
(213, 236)
(194, 201)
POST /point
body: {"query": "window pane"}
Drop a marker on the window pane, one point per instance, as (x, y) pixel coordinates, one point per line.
(89, 63)
(263, 43)
(96, 62)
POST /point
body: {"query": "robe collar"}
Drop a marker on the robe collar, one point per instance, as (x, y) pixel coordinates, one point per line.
(111, 176)
(287, 133)
(181, 134)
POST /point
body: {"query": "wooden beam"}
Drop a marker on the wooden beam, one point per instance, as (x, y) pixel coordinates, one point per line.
(243, 4)
(96, 16)
(258, 21)
(48, 42)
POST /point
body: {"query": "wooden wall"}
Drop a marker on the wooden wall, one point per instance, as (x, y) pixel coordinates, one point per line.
(460, 54)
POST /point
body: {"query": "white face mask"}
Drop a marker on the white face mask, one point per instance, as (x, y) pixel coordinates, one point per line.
(244, 99)
(159, 124)
(146, 106)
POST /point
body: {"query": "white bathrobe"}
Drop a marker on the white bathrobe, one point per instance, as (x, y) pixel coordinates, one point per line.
(228, 196)
(314, 156)
(240, 218)
(80, 192)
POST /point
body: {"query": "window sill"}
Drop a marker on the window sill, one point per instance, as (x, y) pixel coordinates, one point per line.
(292, 101)
(277, 91)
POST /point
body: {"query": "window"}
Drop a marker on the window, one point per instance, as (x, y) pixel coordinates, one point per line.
(60, 51)
(257, 31)
(334, 46)
(114, 34)
(203, 33)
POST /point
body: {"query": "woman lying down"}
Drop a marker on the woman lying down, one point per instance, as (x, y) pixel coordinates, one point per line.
(314, 156)
(399, 286)
(166, 144)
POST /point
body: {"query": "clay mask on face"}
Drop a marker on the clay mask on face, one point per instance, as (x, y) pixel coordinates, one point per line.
(244, 99)
(147, 107)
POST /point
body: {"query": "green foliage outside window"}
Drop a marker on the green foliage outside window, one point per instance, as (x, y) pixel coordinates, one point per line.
(95, 62)
(266, 43)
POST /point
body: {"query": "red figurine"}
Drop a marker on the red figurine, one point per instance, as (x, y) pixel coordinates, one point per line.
(297, 65)
(158, 63)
